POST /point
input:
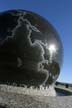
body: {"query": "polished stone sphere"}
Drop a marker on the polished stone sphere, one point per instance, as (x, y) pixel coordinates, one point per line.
(30, 49)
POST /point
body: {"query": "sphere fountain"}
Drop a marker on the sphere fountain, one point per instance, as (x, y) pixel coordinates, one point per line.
(31, 51)
(31, 55)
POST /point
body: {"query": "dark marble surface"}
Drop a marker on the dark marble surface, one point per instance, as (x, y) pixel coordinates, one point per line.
(30, 49)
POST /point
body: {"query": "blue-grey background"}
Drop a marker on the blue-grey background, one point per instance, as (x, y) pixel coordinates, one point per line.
(59, 13)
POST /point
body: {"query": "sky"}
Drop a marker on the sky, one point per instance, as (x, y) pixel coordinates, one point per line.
(59, 14)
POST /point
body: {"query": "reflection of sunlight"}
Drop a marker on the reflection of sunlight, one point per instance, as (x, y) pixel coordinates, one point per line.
(52, 48)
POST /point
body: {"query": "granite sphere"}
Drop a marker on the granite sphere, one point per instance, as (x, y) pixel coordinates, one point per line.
(30, 49)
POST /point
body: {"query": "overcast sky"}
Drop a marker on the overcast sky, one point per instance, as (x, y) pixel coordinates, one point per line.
(59, 14)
